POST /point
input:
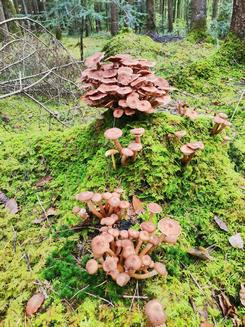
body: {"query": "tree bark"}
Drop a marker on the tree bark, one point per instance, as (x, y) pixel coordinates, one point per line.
(179, 9)
(170, 16)
(150, 9)
(238, 19)
(215, 9)
(198, 15)
(97, 21)
(114, 18)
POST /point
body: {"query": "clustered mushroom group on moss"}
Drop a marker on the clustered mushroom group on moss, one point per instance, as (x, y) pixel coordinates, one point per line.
(123, 84)
(126, 153)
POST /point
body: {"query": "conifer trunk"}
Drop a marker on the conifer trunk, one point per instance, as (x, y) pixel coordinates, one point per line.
(150, 9)
(170, 16)
(238, 19)
(198, 15)
(114, 18)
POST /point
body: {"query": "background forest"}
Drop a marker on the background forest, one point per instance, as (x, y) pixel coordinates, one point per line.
(52, 147)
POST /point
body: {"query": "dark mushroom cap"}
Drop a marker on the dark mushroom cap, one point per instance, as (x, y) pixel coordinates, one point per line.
(113, 133)
(155, 313)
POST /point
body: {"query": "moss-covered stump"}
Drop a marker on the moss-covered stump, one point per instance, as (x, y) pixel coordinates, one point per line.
(53, 253)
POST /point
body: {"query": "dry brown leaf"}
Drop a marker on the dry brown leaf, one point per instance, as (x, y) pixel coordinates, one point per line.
(220, 223)
(44, 180)
(12, 206)
(137, 205)
(236, 241)
(200, 253)
(34, 303)
(228, 309)
(51, 212)
(242, 295)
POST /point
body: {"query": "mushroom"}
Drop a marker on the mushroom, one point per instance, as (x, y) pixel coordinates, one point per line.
(87, 197)
(114, 134)
(110, 264)
(220, 122)
(189, 150)
(152, 243)
(159, 269)
(126, 153)
(100, 245)
(154, 209)
(81, 212)
(135, 147)
(143, 237)
(92, 266)
(170, 230)
(97, 198)
(113, 202)
(124, 205)
(109, 221)
(94, 60)
(132, 263)
(111, 153)
(122, 279)
(226, 139)
(118, 113)
(137, 132)
(155, 314)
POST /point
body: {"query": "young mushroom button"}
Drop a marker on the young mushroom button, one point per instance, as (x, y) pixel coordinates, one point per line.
(155, 313)
(154, 209)
(126, 153)
(114, 134)
(135, 147)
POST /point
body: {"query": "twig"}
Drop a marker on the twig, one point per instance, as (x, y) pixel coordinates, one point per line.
(237, 106)
(27, 259)
(101, 298)
(9, 43)
(144, 297)
(82, 289)
(14, 239)
(17, 62)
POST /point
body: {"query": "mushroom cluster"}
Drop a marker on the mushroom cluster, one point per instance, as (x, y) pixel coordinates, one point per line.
(189, 151)
(125, 254)
(129, 152)
(220, 123)
(184, 110)
(123, 84)
(108, 207)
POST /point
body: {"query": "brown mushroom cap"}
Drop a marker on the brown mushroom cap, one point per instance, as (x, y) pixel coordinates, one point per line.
(107, 88)
(154, 208)
(160, 268)
(186, 150)
(146, 260)
(97, 197)
(114, 201)
(180, 134)
(106, 195)
(133, 233)
(137, 131)
(133, 100)
(122, 279)
(144, 106)
(84, 196)
(126, 70)
(99, 245)
(109, 221)
(124, 204)
(124, 78)
(133, 262)
(127, 152)
(195, 145)
(92, 266)
(118, 113)
(148, 226)
(155, 313)
(144, 236)
(122, 103)
(109, 73)
(135, 147)
(110, 264)
(124, 90)
(94, 59)
(124, 234)
(113, 133)
(169, 227)
(114, 232)
(129, 112)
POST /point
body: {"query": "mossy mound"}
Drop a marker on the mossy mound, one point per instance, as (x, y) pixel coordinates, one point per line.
(47, 251)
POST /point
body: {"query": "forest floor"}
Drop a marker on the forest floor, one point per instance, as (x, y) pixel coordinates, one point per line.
(43, 166)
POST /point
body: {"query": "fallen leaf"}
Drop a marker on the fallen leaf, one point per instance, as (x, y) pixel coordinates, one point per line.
(220, 223)
(51, 212)
(228, 309)
(137, 205)
(34, 303)
(206, 324)
(242, 295)
(200, 253)
(44, 181)
(12, 206)
(236, 241)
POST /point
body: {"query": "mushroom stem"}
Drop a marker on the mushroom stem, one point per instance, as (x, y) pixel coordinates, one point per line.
(144, 276)
(138, 246)
(124, 160)
(146, 249)
(135, 155)
(117, 145)
(186, 159)
(111, 253)
(93, 209)
(137, 139)
(113, 161)
(102, 210)
(214, 130)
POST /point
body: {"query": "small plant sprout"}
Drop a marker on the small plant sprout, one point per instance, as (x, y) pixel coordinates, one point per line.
(125, 254)
(111, 153)
(126, 153)
(155, 315)
(220, 123)
(189, 151)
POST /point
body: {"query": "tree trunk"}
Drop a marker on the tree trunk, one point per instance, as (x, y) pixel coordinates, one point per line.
(9, 12)
(178, 14)
(170, 16)
(198, 15)
(97, 21)
(4, 32)
(114, 18)
(150, 9)
(215, 9)
(238, 19)
(174, 10)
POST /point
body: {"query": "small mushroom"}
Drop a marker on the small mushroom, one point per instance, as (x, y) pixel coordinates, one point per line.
(189, 150)
(87, 197)
(170, 230)
(135, 147)
(111, 153)
(159, 269)
(226, 139)
(155, 314)
(122, 279)
(154, 209)
(137, 132)
(114, 134)
(100, 245)
(118, 113)
(220, 122)
(126, 153)
(143, 237)
(92, 266)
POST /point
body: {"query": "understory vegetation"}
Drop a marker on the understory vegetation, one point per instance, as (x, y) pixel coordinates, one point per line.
(50, 253)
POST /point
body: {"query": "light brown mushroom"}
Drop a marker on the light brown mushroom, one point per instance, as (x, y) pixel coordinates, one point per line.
(111, 153)
(118, 113)
(137, 132)
(155, 314)
(92, 266)
(100, 245)
(136, 148)
(122, 279)
(159, 269)
(87, 197)
(114, 134)
(170, 230)
(154, 209)
(94, 60)
(126, 153)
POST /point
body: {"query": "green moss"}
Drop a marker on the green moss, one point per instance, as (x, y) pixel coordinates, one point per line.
(75, 159)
